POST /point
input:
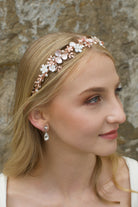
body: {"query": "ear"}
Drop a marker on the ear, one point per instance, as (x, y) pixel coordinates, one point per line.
(38, 119)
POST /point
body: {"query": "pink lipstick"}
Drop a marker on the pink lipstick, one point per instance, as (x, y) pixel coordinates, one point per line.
(109, 135)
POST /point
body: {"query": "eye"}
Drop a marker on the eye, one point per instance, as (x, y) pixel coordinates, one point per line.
(93, 100)
(118, 89)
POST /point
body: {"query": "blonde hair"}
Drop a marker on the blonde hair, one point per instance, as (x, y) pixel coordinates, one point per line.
(26, 148)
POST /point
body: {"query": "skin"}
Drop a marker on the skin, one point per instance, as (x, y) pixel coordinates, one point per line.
(76, 117)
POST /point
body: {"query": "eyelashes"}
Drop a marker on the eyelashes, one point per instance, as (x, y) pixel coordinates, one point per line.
(97, 99)
(94, 100)
(118, 89)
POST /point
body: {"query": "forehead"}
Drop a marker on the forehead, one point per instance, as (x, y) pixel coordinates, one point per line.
(93, 70)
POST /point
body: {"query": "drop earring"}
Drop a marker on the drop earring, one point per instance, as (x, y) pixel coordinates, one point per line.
(46, 136)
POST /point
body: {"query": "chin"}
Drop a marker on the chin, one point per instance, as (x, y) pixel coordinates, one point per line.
(108, 150)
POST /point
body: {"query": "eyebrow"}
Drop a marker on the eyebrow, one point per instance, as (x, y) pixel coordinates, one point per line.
(98, 89)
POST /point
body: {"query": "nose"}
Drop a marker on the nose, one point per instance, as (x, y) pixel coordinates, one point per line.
(116, 113)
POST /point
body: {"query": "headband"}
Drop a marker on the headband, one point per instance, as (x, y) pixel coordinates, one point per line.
(54, 63)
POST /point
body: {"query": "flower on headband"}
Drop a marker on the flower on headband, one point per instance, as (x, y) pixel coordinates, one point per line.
(52, 68)
(78, 48)
(64, 56)
(44, 68)
(96, 40)
(72, 44)
(88, 42)
(101, 43)
(58, 58)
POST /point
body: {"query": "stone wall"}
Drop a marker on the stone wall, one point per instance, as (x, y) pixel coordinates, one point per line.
(115, 22)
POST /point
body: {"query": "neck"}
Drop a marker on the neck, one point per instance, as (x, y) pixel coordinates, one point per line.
(68, 169)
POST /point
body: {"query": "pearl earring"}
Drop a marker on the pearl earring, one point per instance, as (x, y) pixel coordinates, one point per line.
(46, 136)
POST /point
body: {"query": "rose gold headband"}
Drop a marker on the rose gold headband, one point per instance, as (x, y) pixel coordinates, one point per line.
(54, 62)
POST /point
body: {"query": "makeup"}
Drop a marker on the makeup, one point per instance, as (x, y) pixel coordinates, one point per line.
(109, 135)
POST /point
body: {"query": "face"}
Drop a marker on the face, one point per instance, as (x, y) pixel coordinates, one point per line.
(88, 107)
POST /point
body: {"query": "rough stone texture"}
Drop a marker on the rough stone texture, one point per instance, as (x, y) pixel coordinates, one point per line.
(115, 22)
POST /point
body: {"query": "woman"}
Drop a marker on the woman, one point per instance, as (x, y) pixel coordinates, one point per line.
(66, 116)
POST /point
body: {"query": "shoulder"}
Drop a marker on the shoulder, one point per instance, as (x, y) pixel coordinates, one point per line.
(3, 186)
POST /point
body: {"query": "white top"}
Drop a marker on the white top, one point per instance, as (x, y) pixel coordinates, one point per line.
(133, 173)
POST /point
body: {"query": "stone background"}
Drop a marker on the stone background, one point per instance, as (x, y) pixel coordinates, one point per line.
(113, 21)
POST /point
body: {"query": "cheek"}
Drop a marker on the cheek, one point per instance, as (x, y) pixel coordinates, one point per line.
(75, 121)
(67, 118)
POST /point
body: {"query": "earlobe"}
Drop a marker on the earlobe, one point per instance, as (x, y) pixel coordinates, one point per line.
(37, 120)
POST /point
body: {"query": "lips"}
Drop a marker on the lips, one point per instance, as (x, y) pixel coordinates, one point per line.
(109, 135)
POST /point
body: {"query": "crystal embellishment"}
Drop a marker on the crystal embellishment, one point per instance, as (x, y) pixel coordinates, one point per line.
(46, 136)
